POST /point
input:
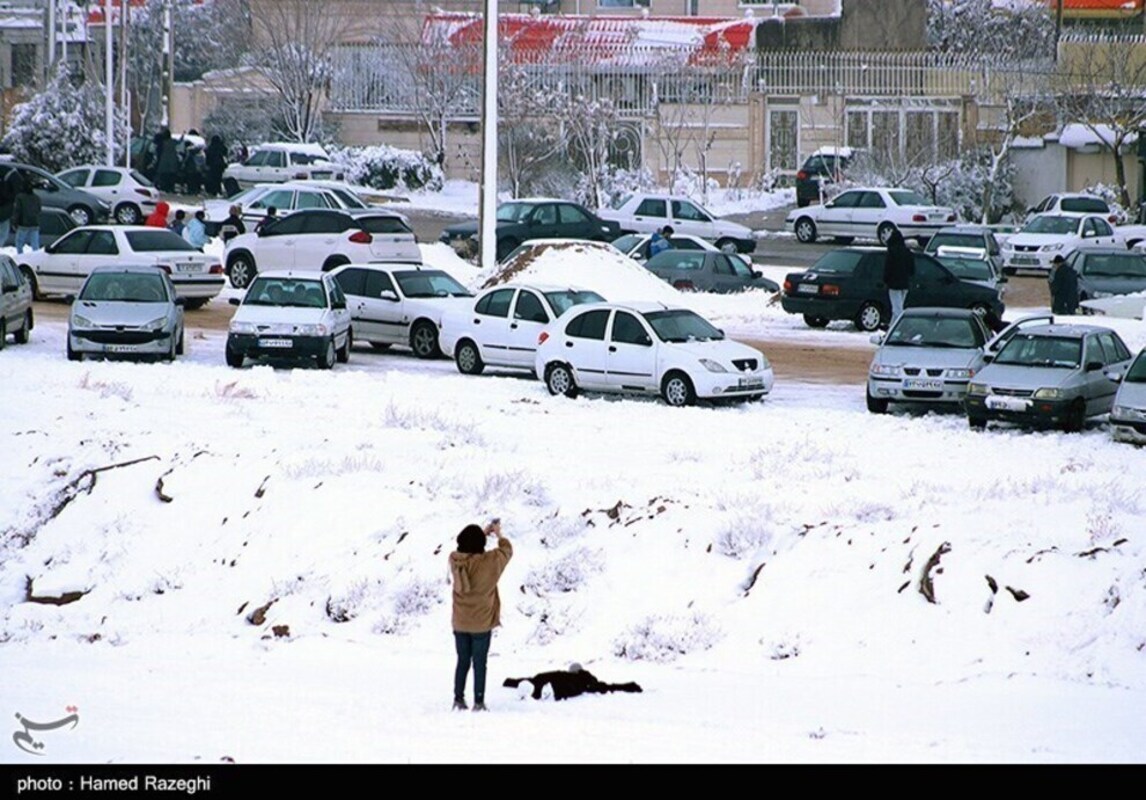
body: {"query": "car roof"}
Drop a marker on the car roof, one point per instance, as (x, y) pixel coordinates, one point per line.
(965, 228)
(938, 311)
(307, 274)
(540, 287)
(1071, 330)
(148, 268)
(639, 306)
(1110, 251)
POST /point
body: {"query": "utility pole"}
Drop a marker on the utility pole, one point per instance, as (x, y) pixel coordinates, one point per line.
(109, 84)
(487, 210)
(1057, 27)
(168, 64)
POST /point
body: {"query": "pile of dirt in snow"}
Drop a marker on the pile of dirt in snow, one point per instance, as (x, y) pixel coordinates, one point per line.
(586, 265)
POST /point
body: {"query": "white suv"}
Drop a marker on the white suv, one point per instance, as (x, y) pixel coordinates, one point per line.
(276, 162)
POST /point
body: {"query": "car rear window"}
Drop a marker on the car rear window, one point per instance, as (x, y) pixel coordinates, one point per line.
(838, 262)
(157, 240)
(563, 300)
(384, 225)
(1089, 205)
(955, 240)
(1115, 265)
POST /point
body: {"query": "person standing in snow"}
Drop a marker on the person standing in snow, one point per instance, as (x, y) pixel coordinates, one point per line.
(26, 218)
(166, 161)
(476, 605)
(216, 162)
(898, 269)
(9, 188)
(1063, 282)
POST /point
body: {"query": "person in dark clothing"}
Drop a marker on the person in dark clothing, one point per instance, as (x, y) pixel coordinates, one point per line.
(1063, 281)
(166, 161)
(898, 269)
(194, 164)
(9, 188)
(659, 241)
(565, 684)
(233, 225)
(271, 215)
(26, 218)
(216, 162)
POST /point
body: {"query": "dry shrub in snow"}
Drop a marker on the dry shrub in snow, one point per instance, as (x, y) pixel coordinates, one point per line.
(743, 535)
(666, 638)
(105, 389)
(565, 574)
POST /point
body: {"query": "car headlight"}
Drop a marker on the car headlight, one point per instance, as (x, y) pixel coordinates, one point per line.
(1048, 394)
(1119, 411)
(82, 322)
(885, 370)
(765, 363)
(978, 388)
(1008, 248)
(1051, 247)
(157, 324)
(242, 327)
(960, 373)
(312, 330)
(712, 366)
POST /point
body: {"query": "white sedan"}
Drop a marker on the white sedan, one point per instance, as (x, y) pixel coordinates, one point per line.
(870, 213)
(61, 267)
(501, 327)
(400, 304)
(636, 245)
(651, 349)
(1048, 235)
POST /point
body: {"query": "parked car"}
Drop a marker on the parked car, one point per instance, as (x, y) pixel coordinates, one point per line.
(1049, 375)
(61, 268)
(648, 213)
(321, 239)
(1107, 272)
(870, 213)
(126, 311)
(291, 316)
(1048, 235)
(54, 223)
(651, 349)
(707, 271)
(84, 207)
(284, 197)
(129, 194)
(16, 315)
(276, 162)
(930, 354)
(980, 237)
(1073, 203)
(501, 327)
(520, 220)
(973, 264)
(1128, 413)
(400, 304)
(636, 245)
(824, 167)
(848, 284)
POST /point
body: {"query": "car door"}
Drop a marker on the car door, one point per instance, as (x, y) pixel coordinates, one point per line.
(575, 223)
(835, 218)
(10, 310)
(58, 266)
(76, 178)
(320, 237)
(277, 243)
(528, 318)
(1102, 234)
(870, 210)
(102, 249)
(585, 349)
(1102, 348)
(687, 218)
(282, 200)
(542, 223)
(107, 184)
(631, 362)
(651, 215)
(722, 274)
(933, 284)
(372, 300)
(341, 317)
(999, 340)
(276, 169)
(490, 325)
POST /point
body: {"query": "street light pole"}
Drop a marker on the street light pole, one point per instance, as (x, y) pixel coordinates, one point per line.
(109, 84)
(487, 212)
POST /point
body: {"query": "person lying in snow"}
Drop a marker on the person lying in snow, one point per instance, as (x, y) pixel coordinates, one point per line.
(560, 685)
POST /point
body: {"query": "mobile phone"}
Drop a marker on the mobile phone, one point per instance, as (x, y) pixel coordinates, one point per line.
(495, 521)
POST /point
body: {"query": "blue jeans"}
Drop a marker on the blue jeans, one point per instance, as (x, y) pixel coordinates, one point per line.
(898, 297)
(27, 236)
(472, 648)
(5, 229)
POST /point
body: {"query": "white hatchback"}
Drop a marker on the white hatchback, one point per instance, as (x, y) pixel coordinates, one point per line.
(501, 327)
(130, 195)
(648, 348)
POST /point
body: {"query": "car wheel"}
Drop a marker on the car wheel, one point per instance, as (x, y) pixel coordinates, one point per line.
(31, 278)
(3, 333)
(334, 262)
(81, 214)
(328, 356)
(179, 344)
(977, 423)
(241, 270)
(73, 355)
(468, 358)
(344, 353)
(559, 380)
(172, 351)
(677, 390)
(805, 230)
(727, 246)
(813, 321)
(876, 405)
(505, 247)
(21, 336)
(128, 214)
(1075, 417)
(424, 340)
(883, 232)
(234, 358)
(870, 317)
(381, 347)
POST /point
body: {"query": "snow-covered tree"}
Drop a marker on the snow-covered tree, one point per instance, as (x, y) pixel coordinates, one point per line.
(529, 135)
(1016, 29)
(62, 126)
(592, 127)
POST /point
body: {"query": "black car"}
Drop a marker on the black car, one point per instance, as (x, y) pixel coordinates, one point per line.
(707, 271)
(1103, 272)
(848, 284)
(825, 166)
(521, 220)
(84, 208)
(54, 223)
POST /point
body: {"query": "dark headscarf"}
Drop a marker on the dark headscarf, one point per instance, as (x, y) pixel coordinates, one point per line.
(471, 540)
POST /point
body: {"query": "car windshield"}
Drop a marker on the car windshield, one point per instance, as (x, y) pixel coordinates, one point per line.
(906, 197)
(124, 287)
(679, 325)
(564, 299)
(1114, 265)
(348, 198)
(293, 292)
(513, 212)
(429, 283)
(970, 269)
(624, 199)
(1137, 371)
(838, 262)
(158, 241)
(247, 195)
(1028, 350)
(627, 242)
(919, 331)
(1052, 224)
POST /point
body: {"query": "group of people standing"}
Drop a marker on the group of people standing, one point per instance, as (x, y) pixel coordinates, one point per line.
(190, 168)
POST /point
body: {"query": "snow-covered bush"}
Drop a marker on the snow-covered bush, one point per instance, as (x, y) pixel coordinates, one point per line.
(665, 638)
(565, 574)
(385, 167)
(617, 183)
(1113, 197)
(62, 126)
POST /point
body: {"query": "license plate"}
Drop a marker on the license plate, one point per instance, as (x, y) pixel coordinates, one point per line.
(923, 384)
(1024, 260)
(274, 342)
(188, 267)
(1007, 403)
(808, 288)
(120, 348)
(322, 176)
(750, 383)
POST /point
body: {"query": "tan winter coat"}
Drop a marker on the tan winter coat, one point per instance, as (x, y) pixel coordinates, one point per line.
(477, 606)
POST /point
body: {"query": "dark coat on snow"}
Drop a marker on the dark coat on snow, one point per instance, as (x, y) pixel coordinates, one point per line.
(570, 683)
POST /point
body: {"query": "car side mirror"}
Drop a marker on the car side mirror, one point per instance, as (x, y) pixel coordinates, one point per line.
(235, 301)
(69, 299)
(757, 273)
(988, 358)
(1091, 366)
(389, 294)
(10, 287)
(1113, 375)
(338, 305)
(876, 338)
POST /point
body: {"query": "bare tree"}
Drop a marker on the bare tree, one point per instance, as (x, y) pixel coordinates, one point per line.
(1022, 101)
(592, 127)
(529, 134)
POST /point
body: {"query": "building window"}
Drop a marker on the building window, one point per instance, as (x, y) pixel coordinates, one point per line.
(23, 68)
(901, 136)
(622, 3)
